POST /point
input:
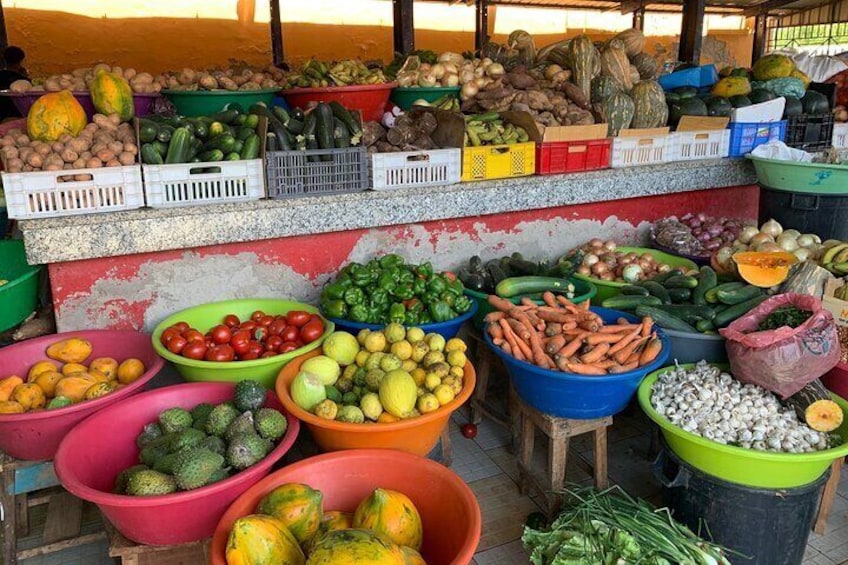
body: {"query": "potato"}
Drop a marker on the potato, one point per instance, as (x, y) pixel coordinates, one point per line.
(79, 144)
(25, 152)
(141, 78)
(250, 86)
(187, 76)
(115, 119)
(80, 73)
(208, 82)
(86, 155)
(35, 160)
(79, 163)
(21, 86)
(43, 150)
(93, 163)
(240, 80)
(52, 167)
(66, 83)
(79, 85)
(68, 155)
(113, 163)
(27, 168)
(268, 83)
(116, 147)
(126, 158)
(105, 155)
(131, 148)
(118, 70)
(14, 165)
(98, 146)
(129, 73)
(57, 146)
(22, 140)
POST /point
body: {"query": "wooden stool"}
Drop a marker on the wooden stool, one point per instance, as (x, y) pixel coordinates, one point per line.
(828, 495)
(447, 450)
(64, 511)
(484, 358)
(559, 432)
(131, 553)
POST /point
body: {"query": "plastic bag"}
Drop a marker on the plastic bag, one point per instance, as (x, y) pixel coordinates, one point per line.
(784, 360)
(818, 68)
(776, 149)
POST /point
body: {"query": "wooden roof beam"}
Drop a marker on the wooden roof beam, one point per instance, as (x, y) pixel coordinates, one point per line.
(765, 7)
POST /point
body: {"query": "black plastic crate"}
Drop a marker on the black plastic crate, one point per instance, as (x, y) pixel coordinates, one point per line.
(810, 132)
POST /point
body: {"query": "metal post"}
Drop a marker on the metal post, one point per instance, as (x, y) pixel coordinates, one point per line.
(404, 29)
(760, 36)
(691, 34)
(481, 34)
(639, 18)
(276, 34)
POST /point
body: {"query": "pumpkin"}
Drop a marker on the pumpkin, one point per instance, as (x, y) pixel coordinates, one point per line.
(40, 367)
(617, 111)
(104, 366)
(11, 407)
(30, 396)
(646, 65)
(297, 506)
(262, 539)
(97, 390)
(602, 88)
(111, 94)
(75, 386)
(54, 115)
(47, 381)
(813, 406)
(70, 350)
(649, 107)
(392, 514)
(584, 57)
(764, 269)
(356, 546)
(615, 64)
(8, 385)
(633, 40)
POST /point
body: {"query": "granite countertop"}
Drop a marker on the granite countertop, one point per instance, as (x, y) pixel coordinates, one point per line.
(146, 230)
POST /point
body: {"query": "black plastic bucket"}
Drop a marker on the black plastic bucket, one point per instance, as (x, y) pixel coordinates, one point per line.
(764, 526)
(825, 215)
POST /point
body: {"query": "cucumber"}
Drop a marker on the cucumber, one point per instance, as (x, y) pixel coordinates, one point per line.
(517, 286)
(297, 114)
(211, 156)
(625, 302)
(496, 270)
(341, 135)
(180, 146)
(251, 148)
(711, 295)
(679, 295)
(150, 156)
(251, 121)
(196, 147)
(656, 289)
(165, 133)
(737, 296)
(240, 120)
(727, 316)
(161, 148)
(633, 290)
(664, 319)
(687, 312)
(324, 127)
(295, 126)
(201, 129)
(662, 277)
(704, 326)
(309, 124)
(281, 115)
(270, 142)
(225, 142)
(225, 117)
(237, 146)
(349, 120)
(521, 266)
(681, 281)
(147, 131)
(706, 281)
(244, 132)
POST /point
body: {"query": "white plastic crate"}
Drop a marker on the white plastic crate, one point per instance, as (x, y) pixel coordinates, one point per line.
(191, 184)
(696, 145)
(639, 151)
(413, 169)
(45, 194)
(840, 136)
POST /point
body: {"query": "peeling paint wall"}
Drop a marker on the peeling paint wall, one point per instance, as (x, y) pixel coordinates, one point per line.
(139, 291)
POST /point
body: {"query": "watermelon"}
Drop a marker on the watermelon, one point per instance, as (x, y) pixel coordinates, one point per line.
(740, 101)
(793, 107)
(760, 95)
(815, 103)
(686, 91)
(686, 107)
(718, 106)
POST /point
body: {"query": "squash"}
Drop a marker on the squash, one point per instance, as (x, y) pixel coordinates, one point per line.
(615, 64)
(111, 94)
(54, 115)
(40, 367)
(356, 546)
(649, 107)
(633, 41)
(764, 269)
(11, 407)
(602, 88)
(30, 396)
(47, 382)
(646, 65)
(813, 406)
(392, 514)
(70, 350)
(773, 66)
(584, 59)
(617, 111)
(297, 506)
(105, 366)
(259, 539)
(8, 385)
(75, 386)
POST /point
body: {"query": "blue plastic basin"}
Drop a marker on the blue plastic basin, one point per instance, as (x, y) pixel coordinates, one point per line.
(447, 329)
(568, 395)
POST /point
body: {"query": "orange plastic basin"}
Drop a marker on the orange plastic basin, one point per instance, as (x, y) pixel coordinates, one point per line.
(417, 435)
(449, 511)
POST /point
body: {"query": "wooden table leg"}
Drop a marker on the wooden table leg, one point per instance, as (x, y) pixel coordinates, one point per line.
(10, 534)
(557, 460)
(828, 495)
(525, 462)
(447, 450)
(601, 478)
(484, 364)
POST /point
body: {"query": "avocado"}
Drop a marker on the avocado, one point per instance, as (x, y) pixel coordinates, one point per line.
(718, 106)
(686, 91)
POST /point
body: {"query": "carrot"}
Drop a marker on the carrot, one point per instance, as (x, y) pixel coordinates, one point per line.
(498, 340)
(562, 362)
(607, 364)
(567, 304)
(624, 353)
(499, 303)
(595, 354)
(625, 340)
(556, 343)
(589, 324)
(585, 369)
(518, 328)
(553, 329)
(568, 326)
(493, 317)
(597, 338)
(623, 321)
(584, 305)
(505, 346)
(527, 302)
(650, 352)
(617, 328)
(647, 324)
(571, 347)
(511, 338)
(550, 299)
(495, 331)
(623, 368)
(559, 317)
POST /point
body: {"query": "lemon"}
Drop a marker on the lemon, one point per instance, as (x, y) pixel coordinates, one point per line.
(409, 365)
(457, 372)
(435, 342)
(363, 333)
(418, 375)
(455, 344)
(432, 358)
(419, 350)
(389, 362)
(431, 381)
(375, 342)
(402, 350)
(394, 332)
(444, 394)
(457, 358)
(428, 403)
(362, 357)
(373, 361)
(414, 335)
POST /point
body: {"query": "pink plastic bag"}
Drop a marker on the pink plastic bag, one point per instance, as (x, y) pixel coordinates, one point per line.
(784, 360)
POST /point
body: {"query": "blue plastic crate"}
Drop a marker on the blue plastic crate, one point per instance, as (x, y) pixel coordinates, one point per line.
(699, 77)
(745, 136)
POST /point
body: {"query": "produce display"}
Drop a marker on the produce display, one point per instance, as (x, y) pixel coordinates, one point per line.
(449, 69)
(263, 335)
(189, 449)
(290, 526)
(66, 379)
(513, 275)
(708, 402)
(769, 237)
(320, 126)
(790, 316)
(688, 303)
(239, 76)
(609, 526)
(381, 376)
(411, 131)
(695, 235)
(602, 260)
(321, 74)
(230, 135)
(563, 336)
(83, 79)
(491, 129)
(388, 290)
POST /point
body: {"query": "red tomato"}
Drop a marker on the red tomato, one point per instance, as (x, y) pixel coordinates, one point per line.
(231, 320)
(312, 330)
(248, 356)
(221, 353)
(195, 349)
(255, 347)
(257, 315)
(269, 354)
(248, 325)
(181, 326)
(469, 431)
(168, 334)
(193, 335)
(260, 333)
(277, 326)
(291, 333)
(297, 318)
(265, 321)
(221, 334)
(299, 343)
(176, 344)
(273, 343)
(239, 341)
(287, 346)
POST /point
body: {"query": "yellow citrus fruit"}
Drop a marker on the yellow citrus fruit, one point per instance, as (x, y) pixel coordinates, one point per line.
(455, 344)
(375, 342)
(457, 358)
(130, 370)
(444, 394)
(402, 350)
(428, 403)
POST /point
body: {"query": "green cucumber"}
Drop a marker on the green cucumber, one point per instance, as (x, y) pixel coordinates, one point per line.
(309, 125)
(662, 277)
(679, 295)
(239, 120)
(324, 128)
(724, 318)
(341, 135)
(211, 156)
(237, 147)
(251, 121)
(295, 126)
(225, 142)
(196, 147)
(656, 289)
(244, 132)
(150, 156)
(630, 302)
(349, 120)
(517, 286)
(161, 148)
(688, 312)
(704, 325)
(664, 319)
(179, 147)
(201, 128)
(711, 295)
(706, 281)
(281, 115)
(225, 117)
(270, 141)
(165, 133)
(147, 131)
(740, 295)
(633, 290)
(681, 281)
(251, 148)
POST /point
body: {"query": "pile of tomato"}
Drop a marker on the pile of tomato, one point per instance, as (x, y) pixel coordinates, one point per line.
(263, 335)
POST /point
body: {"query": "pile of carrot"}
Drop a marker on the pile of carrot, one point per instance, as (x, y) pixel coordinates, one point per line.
(569, 337)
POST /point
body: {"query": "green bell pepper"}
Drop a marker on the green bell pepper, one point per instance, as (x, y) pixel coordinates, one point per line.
(456, 287)
(415, 305)
(462, 304)
(379, 297)
(335, 308)
(375, 315)
(436, 285)
(410, 318)
(405, 277)
(354, 296)
(419, 286)
(397, 312)
(403, 292)
(386, 281)
(334, 291)
(429, 298)
(448, 298)
(359, 313)
(425, 318)
(440, 311)
(424, 270)
(390, 260)
(362, 276)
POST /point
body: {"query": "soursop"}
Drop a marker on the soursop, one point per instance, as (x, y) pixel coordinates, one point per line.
(199, 415)
(245, 450)
(147, 482)
(220, 419)
(241, 425)
(270, 423)
(123, 478)
(249, 395)
(175, 420)
(186, 439)
(148, 434)
(197, 468)
(215, 444)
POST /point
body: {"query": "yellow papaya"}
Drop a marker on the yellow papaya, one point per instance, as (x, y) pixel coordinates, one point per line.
(30, 396)
(392, 514)
(40, 367)
(75, 386)
(731, 86)
(70, 350)
(111, 94)
(297, 506)
(97, 390)
(8, 385)
(11, 407)
(262, 540)
(47, 381)
(355, 547)
(54, 115)
(105, 366)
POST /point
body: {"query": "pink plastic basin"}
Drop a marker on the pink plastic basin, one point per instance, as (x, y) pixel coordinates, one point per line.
(370, 99)
(23, 101)
(836, 380)
(449, 511)
(93, 453)
(36, 435)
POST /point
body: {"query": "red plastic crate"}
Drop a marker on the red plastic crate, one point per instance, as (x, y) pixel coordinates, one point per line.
(573, 156)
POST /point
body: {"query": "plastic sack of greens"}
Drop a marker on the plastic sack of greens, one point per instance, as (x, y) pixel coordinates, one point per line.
(783, 344)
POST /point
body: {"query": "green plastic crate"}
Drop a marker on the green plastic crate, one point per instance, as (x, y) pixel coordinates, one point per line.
(404, 97)
(19, 296)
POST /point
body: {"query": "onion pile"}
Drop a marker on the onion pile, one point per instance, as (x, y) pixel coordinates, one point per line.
(696, 235)
(452, 69)
(772, 237)
(602, 261)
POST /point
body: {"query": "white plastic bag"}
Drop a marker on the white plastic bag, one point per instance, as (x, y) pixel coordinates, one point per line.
(778, 150)
(818, 67)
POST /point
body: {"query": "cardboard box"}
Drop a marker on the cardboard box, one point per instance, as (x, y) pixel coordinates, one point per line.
(701, 123)
(836, 306)
(644, 132)
(575, 133)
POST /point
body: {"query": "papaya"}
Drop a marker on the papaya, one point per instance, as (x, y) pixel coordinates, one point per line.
(801, 76)
(47, 382)
(773, 66)
(30, 396)
(392, 514)
(75, 386)
(332, 521)
(412, 557)
(354, 546)
(111, 94)
(105, 366)
(11, 407)
(129, 370)
(731, 86)
(297, 506)
(69, 368)
(8, 385)
(70, 350)
(260, 540)
(54, 115)
(40, 367)
(97, 390)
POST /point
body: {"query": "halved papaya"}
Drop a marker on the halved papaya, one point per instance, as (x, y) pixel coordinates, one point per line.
(764, 269)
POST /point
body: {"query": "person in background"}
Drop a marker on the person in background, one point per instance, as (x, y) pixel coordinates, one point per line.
(13, 69)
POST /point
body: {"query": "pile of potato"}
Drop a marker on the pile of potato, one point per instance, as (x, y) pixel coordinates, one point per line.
(105, 142)
(236, 77)
(80, 79)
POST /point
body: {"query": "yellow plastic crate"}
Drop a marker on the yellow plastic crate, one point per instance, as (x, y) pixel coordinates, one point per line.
(498, 161)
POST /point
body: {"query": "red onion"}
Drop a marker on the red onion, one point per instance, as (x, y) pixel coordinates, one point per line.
(715, 230)
(694, 223)
(705, 236)
(701, 216)
(712, 245)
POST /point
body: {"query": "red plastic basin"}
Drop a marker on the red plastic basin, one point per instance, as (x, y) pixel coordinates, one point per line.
(93, 453)
(36, 435)
(449, 511)
(370, 99)
(836, 380)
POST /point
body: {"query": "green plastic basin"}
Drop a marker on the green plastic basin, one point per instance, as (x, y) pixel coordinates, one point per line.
(207, 102)
(207, 315)
(608, 289)
(763, 469)
(404, 97)
(816, 178)
(19, 296)
(583, 290)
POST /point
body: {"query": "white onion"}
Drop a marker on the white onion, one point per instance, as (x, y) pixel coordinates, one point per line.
(802, 253)
(450, 80)
(610, 245)
(724, 255)
(450, 68)
(761, 238)
(495, 70)
(793, 233)
(787, 243)
(427, 79)
(438, 70)
(771, 228)
(590, 259)
(768, 247)
(466, 76)
(747, 233)
(806, 240)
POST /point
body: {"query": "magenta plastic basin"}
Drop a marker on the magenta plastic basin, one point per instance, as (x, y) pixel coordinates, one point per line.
(23, 101)
(36, 435)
